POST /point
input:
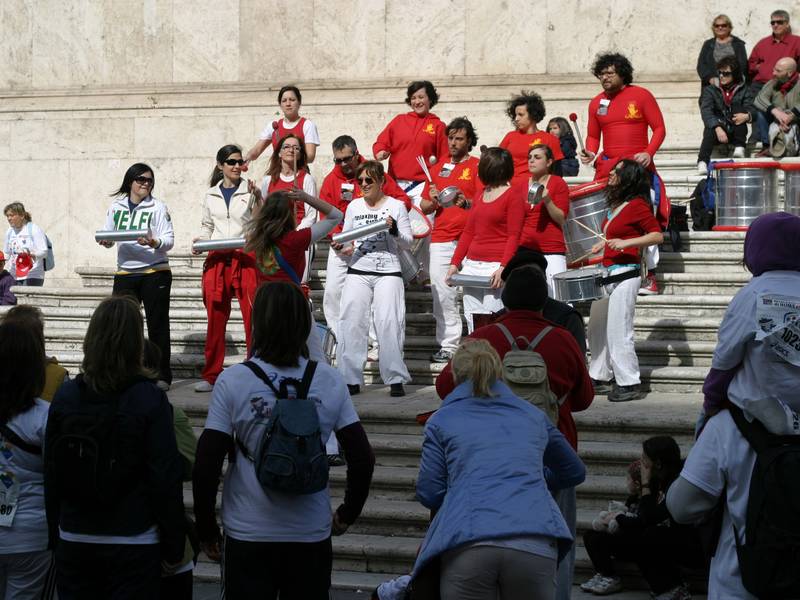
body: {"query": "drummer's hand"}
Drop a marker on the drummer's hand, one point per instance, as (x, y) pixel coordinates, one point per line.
(382, 155)
(255, 190)
(106, 243)
(195, 252)
(451, 270)
(392, 226)
(347, 250)
(461, 200)
(587, 157)
(299, 195)
(433, 192)
(721, 135)
(643, 158)
(147, 241)
(336, 246)
(617, 244)
(497, 281)
(598, 247)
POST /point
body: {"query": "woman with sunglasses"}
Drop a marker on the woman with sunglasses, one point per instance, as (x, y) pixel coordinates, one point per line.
(714, 49)
(226, 208)
(143, 270)
(374, 284)
(290, 100)
(628, 228)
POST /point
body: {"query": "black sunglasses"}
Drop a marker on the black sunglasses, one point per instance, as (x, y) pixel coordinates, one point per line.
(725, 73)
(365, 180)
(778, 22)
(343, 159)
(232, 162)
(141, 180)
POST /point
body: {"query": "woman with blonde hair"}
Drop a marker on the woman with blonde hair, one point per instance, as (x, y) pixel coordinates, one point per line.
(722, 44)
(502, 457)
(25, 246)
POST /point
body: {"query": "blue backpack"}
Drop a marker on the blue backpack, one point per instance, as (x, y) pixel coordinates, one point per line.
(290, 456)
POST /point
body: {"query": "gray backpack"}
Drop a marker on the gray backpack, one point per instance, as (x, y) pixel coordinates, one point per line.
(525, 372)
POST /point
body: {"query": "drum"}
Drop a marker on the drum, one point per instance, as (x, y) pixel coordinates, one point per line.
(535, 192)
(409, 265)
(587, 204)
(744, 191)
(328, 342)
(580, 285)
(447, 197)
(420, 225)
(791, 188)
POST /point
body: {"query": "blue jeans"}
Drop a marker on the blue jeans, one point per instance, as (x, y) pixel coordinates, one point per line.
(762, 128)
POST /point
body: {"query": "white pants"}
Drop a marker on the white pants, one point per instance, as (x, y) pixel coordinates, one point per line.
(385, 295)
(335, 273)
(445, 298)
(611, 334)
(482, 301)
(651, 257)
(556, 263)
(27, 575)
(421, 248)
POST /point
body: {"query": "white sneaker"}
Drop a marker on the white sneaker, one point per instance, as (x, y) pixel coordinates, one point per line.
(738, 152)
(588, 586)
(203, 386)
(607, 585)
(702, 167)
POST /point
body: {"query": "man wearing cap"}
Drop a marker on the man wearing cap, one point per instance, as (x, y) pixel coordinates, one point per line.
(7, 297)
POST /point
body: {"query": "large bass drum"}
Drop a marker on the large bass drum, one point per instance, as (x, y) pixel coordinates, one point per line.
(587, 204)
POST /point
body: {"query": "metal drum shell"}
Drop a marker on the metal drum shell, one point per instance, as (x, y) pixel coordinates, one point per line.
(580, 285)
(409, 265)
(587, 204)
(328, 342)
(743, 192)
(791, 188)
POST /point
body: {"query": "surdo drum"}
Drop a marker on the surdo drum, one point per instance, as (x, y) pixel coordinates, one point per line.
(580, 285)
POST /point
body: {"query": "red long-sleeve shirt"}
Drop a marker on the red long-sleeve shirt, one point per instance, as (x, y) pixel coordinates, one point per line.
(767, 52)
(493, 229)
(635, 220)
(566, 367)
(407, 136)
(540, 232)
(518, 144)
(450, 222)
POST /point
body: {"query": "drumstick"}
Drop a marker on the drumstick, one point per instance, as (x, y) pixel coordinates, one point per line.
(590, 230)
(583, 257)
(424, 167)
(294, 162)
(574, 119)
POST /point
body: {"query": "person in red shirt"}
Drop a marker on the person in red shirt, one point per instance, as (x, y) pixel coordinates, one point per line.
(629, 227)
(781, 44)
(459, 171)
(544, 219)
(526, 111)
(622, 113)
(491, 235)
(339, 188)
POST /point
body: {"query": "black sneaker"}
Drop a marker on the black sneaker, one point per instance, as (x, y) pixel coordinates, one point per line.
(602, 388)
(336, 460)
(354, 389)
(441, 356)
(397, 390)
(625, 393)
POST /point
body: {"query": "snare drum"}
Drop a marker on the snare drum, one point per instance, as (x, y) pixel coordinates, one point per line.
(580, 285)
(420, 224)
(587, 204)
(328, 342)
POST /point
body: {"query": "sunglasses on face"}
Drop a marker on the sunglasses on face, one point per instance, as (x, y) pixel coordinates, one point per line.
(721, 25)
(365, 180)
(778, 22)
(232, 162)
(292, 148)
(343, 159)
(143, 180)
(725, 73)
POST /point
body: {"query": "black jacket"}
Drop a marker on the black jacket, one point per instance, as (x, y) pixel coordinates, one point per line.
(707, 66)
(714, 111)
(146, 444)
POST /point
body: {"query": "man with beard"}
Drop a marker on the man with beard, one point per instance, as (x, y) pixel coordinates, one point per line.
(779, 100)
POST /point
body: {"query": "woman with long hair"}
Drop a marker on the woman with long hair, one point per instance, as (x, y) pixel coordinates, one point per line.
(544, 220)
(226, 208)
(143, 270)
(374, 286)
(487, 458)
(629, 227)
(112, 469)
(25, 560)
(25, 246)
(559, 127)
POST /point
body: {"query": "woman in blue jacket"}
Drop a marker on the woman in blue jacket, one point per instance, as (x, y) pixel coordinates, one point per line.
(489, 462)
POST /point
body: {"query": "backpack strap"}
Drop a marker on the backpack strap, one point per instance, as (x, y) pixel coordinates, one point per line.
(538, 338)
(18, 442)
(308, 375)
(284, 264)
(259, 372)
(754, 432)
(512, 342)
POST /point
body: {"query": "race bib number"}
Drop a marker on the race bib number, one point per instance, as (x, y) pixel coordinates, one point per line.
(779, 325)
(9, 493)
(447, 168)
(347, 191)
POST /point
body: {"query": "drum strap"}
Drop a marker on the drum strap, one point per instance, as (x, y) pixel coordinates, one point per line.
(619, 277)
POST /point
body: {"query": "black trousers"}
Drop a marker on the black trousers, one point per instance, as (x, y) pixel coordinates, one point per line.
(107, 571)
(737, 135)
(152, 290)
(657, 551)
(262, 570)
(177, 587)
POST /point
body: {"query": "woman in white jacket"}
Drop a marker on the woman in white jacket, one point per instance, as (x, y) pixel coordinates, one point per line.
(143, 270)
(25, 246)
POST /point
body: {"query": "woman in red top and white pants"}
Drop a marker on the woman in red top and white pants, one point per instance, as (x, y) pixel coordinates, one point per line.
(543, 221)
(629, 227)
(491, 235)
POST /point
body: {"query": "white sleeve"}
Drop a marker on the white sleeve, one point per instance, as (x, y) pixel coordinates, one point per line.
(310, 134)
(265, 186)
(6, 245)
(310, 216)
(206, 220)
(39, 241)
(705, 466)
(162, 228)
(266, 133)
(738, 327)
(220, 416)
(404, 236)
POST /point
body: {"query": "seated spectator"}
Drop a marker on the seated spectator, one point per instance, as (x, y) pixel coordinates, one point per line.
(722, 45)
(31, 316)
(779, 101)
(487, 458)
(726, 108)
(25, 560)
(559, 127)
(275, 542)
(7, 297)
(650, 538)
(113, 488)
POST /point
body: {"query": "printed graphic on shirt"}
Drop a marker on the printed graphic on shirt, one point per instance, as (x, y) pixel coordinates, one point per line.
(535, 142)
(9, 493)
(125, 220)
(466, 174)
(429, 129)
(267, 263)
(633, 112)
(778, 320)
(376, 243)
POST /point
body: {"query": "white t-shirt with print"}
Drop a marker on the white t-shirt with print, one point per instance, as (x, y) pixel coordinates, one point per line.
(721, 461)
(310, 133)
(378, 253)
(239, 402)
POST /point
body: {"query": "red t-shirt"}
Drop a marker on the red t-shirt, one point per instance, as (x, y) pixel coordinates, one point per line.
(283, 131)
(540, 232)
(493, 229)
(276, 183)
(518, 144)
(293, 246)
(450, 221)
(566, 367)
(767, 52)
(408, 136)
(635, 220)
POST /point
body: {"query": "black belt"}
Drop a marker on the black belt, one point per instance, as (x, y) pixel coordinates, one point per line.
(620, 277)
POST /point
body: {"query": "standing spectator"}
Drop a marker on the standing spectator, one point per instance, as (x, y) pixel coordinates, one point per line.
(112, 469)
(25, 560)
(275, 542)
(779, 104)
(7, 297)
(722, 45)
(526, 111)
(226, 207)
(290, 100)
(623, 114)
(726, 107)
(491, 235)
(25, 246)
(559, 127)
(487, 458)
(461, 172)
(142, 265)
(766, 53)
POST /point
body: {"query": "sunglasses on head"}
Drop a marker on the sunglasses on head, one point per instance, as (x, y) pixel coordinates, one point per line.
(365, 180)
(141, 180)
(343, 159)
(232, 162)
